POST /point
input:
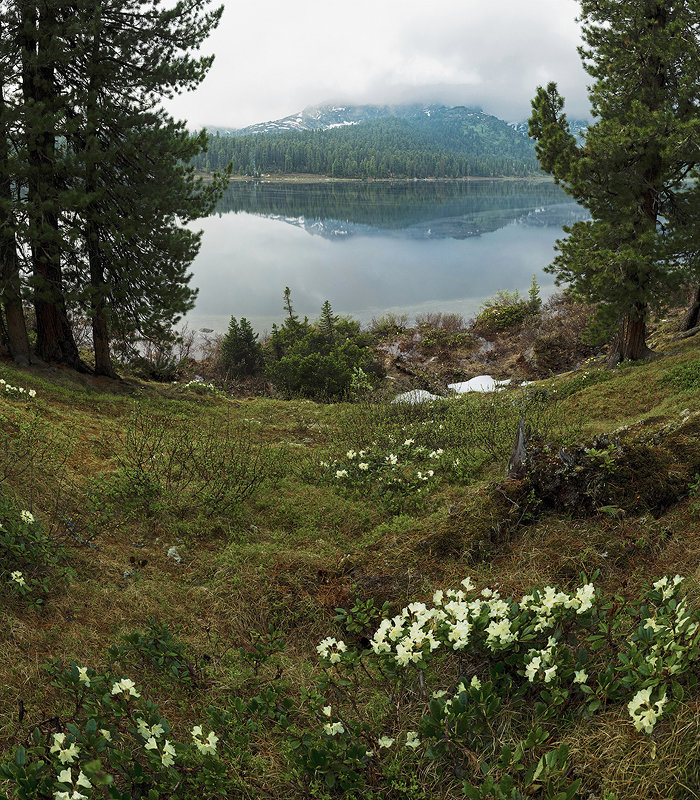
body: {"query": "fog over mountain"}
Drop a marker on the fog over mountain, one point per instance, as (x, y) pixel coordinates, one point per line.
(274, 57)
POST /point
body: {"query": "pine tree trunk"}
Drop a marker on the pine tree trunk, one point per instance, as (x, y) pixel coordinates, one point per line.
(100, 328)
(630, 342)
(692, 316)
(10, 287)
(55, 340)
(98, 311)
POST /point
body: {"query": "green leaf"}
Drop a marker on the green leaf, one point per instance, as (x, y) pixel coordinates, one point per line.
(20, 756)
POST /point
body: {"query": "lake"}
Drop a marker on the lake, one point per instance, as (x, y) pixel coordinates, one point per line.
(372, 248)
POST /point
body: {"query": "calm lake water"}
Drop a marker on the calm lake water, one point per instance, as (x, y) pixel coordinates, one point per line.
(371, 248)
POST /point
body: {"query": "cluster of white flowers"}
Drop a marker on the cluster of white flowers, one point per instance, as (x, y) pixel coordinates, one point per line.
(205, 745)
(667, 586)
(153, 732)
(27, 516)
(18, 578)
(66, 777)
(195, 384)
(66, 755)
(392, 459)
(424, 476)
(167, 754)
(546, 603)
(540, 663)
(331, 649)
(16, 391)
(644, 712)
(126, 687)
(419, 630)
(459, 618)
(341, 473)
(334, 728)
(436, 453)
(458, 615)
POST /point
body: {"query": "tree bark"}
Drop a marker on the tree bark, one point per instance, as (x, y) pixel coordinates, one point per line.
(98, 302)
(55, 340)
(630, 342)
(692, 316)
(10, 287)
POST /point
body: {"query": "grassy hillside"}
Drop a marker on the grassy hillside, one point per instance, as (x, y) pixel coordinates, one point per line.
(269, 544)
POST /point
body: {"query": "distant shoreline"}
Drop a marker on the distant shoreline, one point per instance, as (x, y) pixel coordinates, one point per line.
(304, 177)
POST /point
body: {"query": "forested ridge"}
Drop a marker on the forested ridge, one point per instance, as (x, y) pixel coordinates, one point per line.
(456, 143)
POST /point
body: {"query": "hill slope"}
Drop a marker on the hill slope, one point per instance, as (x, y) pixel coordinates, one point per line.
(203, 537)
(377, 142)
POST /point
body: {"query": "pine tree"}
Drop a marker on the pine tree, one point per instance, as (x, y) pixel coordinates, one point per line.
(644, 57)
(241, 353)
(327, 322)
(98, 177)
(136, 192)
(40, 29)
(14, 329)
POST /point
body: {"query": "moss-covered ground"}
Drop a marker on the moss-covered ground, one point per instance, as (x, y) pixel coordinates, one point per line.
(266, 541)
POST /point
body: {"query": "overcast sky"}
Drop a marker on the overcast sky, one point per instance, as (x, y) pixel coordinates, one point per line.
(275, 57)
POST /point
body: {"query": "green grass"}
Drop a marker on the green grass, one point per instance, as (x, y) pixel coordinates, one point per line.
(296, 549)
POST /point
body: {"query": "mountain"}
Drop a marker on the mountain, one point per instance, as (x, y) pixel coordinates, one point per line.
(327, 117)
(578, 126)
(415, 141)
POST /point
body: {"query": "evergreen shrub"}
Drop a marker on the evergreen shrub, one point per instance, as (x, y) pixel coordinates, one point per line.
(241, 353)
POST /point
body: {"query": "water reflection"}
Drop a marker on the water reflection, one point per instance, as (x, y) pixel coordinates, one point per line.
(374, 247)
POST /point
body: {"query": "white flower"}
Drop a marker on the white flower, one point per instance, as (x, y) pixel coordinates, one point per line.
(325, 648)
(385, 741)
(644, 713)
(205, 746)
(65, 776)
(363, 465)
(83, 676)
(475, 682)
(27, 516)
(155, 731)
(107, 735)
(32, 393)
(409, 442)
(326, 710)
(66, 755)
(167, 754)
(391, 459)
(82, 780)
(412, 739)
(580, 676)
(18, 578)
(151, 744)
(333, 728)
(351, 454)
(550, 673)
(341, 473)
(467, 583)
(127, 686)
(533, 668)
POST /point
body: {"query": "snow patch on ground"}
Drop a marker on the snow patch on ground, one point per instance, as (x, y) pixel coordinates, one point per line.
(415, 396)
(482, 383)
